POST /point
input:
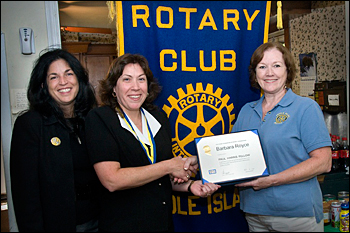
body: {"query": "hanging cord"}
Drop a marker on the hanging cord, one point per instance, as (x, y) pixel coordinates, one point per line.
(279, 15)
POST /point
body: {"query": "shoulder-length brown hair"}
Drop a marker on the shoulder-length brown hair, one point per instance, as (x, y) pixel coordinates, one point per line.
(116, 70)
(258, 56)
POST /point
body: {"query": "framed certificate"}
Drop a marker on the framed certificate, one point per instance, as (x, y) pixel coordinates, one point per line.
(231, 158)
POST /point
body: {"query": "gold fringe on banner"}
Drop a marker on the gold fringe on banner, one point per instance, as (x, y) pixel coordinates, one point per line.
(111, 10)
(112, 13)
(279, 15)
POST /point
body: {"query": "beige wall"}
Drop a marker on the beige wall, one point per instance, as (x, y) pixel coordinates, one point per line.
(16, 14)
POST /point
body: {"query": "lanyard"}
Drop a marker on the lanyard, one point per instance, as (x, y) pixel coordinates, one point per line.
(151, 154)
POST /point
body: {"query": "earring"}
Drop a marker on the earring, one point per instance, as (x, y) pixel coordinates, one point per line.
(114, 94)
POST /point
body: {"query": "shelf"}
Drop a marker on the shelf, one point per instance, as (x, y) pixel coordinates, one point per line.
(76, 47)
(102, 49)
(332, 183)
(89, 48)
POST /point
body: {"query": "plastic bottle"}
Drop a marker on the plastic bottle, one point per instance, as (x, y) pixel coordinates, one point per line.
(338, 140)
(341, 159)
(339, 145)
(335, 156)
(344, 154)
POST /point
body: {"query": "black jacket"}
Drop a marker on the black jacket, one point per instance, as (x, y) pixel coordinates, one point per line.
(144, 208)
(42, 178)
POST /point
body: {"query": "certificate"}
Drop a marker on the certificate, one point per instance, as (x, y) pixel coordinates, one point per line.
(231, 158)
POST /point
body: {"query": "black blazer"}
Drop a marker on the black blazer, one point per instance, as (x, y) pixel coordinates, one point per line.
(42, 178)
(144, 208)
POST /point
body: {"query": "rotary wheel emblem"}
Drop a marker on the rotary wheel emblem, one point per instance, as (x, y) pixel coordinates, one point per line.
(197, 113)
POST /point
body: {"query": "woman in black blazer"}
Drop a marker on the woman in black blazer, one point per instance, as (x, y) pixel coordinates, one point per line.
(53, 183)
(129, 142)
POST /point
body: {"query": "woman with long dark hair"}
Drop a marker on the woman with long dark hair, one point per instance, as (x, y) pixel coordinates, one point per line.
(53, 184)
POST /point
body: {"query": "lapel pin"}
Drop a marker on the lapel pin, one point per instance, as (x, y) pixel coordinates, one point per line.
(55, 141)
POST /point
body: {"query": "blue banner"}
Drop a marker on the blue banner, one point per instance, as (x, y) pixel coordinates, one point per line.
(200, 53)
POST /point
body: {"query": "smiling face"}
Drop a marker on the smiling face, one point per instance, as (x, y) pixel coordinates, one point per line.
(63, 85)
(271, 72)
(131, 88)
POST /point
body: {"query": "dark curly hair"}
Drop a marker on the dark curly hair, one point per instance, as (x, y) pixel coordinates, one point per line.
(116, 70)
(38, 94)
(258, 56)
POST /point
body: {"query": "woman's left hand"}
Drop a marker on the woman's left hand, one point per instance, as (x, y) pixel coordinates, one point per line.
(257, 184)
(204, 190)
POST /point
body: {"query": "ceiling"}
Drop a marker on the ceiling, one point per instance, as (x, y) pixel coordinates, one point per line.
(95, 13)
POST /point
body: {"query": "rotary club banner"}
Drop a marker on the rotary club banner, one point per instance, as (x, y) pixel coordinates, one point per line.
(200, 52)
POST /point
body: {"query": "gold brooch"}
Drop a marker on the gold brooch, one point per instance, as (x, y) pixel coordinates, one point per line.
(55, 141)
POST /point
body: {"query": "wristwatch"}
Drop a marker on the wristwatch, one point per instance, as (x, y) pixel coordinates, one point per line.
(189, 187)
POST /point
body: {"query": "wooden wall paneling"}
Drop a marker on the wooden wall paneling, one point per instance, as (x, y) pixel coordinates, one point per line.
(97, 66)
(95, 58)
